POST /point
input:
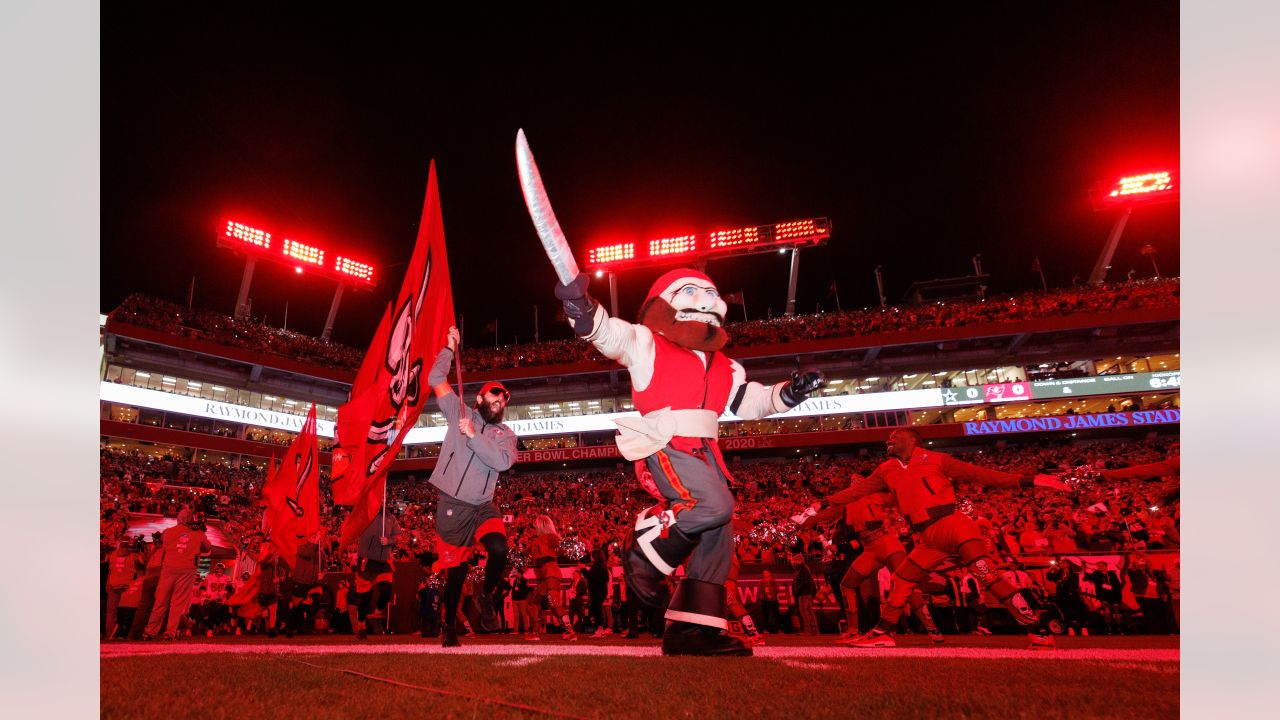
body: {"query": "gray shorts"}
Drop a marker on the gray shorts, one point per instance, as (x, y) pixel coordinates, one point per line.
(462, 524)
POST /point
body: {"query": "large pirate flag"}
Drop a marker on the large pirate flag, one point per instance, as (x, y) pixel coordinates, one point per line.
(390, 388)
(292, 494)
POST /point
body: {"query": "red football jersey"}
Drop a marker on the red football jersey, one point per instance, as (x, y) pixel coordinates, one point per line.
(922, 485)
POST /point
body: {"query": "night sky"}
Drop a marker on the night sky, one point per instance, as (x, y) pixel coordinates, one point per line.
(924, 137)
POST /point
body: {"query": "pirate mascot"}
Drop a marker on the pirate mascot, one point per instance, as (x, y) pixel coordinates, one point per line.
(681, 383)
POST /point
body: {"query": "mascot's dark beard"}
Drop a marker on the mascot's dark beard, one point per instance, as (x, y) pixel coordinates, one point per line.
(491, 417)
(660, 317)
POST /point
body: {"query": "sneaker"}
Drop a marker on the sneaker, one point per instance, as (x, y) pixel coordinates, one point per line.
(1084, 632)
(1041, 642)
(571, 636)
(167, 636)
(846, 636)
(533, 637)
(753, 640)
(469, 634)
(208, 633)
(981, 631)
(602, 633)
(1071, 632)
(873, 639)
(936, 637)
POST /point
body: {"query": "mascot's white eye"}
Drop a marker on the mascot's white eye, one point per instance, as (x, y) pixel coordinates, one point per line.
(688, 290)
(712, 293)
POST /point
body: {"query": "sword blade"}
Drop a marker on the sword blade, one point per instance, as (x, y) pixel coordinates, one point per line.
(544, 218)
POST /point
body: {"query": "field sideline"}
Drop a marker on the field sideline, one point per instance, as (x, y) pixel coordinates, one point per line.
(405, 676)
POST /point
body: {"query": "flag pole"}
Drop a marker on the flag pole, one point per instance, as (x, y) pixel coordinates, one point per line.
(457, 369)
(837, 287)
(745, 317)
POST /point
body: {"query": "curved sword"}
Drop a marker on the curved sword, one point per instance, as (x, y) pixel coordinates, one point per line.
(544, 218)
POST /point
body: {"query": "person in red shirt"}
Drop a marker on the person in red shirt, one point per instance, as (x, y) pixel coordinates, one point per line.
(868, 517)
(921, 483)
(546, 547)
(125, 564)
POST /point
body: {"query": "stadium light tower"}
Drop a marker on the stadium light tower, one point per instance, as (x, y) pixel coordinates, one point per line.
(1127, 193)
(697, 249)
(254, 243)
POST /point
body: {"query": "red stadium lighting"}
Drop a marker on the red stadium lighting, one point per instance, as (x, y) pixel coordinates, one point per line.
(305, 253)
(1151, 182)
(733, 238)
(1125, 194)
(611, 253)
(718, 243)
(671, 246)
(257, 243)
(250, 235)
(1141, 188)
(355, 270)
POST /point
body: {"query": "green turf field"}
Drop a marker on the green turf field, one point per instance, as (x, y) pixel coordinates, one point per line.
(987, 677)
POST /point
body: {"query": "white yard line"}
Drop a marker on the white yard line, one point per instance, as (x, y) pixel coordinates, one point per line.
(1111, 655)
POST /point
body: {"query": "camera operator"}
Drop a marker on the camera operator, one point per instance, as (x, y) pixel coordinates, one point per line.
(182, 544)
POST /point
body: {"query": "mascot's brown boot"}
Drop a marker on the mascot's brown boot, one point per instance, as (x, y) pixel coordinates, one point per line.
(696, 624)
(649, 556)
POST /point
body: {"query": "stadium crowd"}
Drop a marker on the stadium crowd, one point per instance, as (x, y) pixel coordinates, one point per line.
(593, 508)
(256, 335)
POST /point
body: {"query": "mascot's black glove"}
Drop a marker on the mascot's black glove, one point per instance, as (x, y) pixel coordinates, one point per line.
(803, 383)
(579, 306)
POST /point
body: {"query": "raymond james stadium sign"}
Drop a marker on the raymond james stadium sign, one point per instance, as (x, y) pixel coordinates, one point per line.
(1073, 422)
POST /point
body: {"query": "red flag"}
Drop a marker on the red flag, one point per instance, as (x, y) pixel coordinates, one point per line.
(293, 493)
(246, 597)
(354, 419)
(420, 322)
(735, 298)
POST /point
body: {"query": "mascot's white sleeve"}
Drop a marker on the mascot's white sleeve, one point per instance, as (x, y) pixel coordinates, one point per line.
(751, 400)
(630, 344)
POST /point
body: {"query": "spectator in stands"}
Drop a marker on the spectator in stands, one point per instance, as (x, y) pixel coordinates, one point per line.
(256, 336)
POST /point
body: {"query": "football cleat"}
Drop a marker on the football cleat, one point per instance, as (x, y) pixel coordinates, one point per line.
(872, 639)
(1041, 642)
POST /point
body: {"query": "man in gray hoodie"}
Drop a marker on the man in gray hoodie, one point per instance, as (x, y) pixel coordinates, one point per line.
(477, 448)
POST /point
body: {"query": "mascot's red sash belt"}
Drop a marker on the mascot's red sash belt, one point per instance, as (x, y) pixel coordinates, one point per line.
(640, 437)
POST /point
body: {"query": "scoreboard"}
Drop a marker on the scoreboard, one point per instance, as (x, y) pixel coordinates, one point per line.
(708, 245)
(298, 255)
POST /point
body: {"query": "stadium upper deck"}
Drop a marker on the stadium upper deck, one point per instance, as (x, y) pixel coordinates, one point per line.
(241, 389)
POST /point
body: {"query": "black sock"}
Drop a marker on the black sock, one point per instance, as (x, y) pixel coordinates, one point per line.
(454, 579)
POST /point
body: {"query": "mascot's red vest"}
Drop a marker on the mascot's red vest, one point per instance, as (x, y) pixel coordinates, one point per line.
(682, 382)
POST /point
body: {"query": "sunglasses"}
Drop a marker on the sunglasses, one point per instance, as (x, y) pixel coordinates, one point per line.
(499, 392)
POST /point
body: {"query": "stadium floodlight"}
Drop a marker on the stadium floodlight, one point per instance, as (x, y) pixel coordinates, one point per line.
(254, 242)
(1126, 193)
(698, 248)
